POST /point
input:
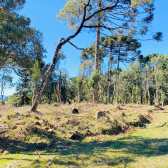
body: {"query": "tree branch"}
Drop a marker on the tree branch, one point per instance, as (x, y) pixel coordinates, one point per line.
(17, 73)
(101, 26)
(75, 46)
(101, 10)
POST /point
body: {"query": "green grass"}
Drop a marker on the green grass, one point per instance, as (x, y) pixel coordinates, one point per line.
(145, 147)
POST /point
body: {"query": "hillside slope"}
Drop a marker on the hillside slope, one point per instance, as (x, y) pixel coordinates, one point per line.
(124, 136)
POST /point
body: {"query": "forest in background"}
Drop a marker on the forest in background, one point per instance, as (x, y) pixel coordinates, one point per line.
(22, 52)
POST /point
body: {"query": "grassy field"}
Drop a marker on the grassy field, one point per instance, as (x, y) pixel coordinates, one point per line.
(41, 139)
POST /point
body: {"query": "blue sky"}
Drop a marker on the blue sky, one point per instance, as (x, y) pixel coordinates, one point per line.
(43, 17)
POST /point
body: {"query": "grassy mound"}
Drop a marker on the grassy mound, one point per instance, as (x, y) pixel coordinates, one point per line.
(50, 122)
(55, 131)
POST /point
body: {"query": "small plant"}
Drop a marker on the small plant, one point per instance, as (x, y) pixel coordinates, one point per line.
(10, 113)
(5, 119)
(12, 125)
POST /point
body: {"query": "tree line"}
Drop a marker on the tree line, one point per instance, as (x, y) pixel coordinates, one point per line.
(143, 82)
(22, 51)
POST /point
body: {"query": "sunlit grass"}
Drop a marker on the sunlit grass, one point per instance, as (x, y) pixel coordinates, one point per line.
(140, 147)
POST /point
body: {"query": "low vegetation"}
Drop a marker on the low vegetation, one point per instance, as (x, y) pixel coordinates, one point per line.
(124, 136)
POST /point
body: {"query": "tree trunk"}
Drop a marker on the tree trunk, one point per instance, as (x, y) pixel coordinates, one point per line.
(45, 77)
(157, 88)
(79, 95)
(65, 91)
(57, 91)
(2, 89)
(118, 61)
(125, 97)
(107, 93)
(102, 94)
(133, 94)
(109, 80)
(102, 99)
(89, 94)
(114, 91)
(37, 99)
(141, 97)
(157, 96)
(162, 103)
(149, 101)
(23, 99)
(96, 66)
(59, 88)
(34, 92)
(80, 89)
(2, 95)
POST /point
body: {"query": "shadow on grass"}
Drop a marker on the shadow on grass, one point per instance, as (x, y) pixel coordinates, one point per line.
(128, 145)
(139, 146)
(123, 150)
(21, 146)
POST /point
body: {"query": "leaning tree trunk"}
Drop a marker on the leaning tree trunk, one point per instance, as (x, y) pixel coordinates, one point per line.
(60, 44)
(45, 77)
(95, 98)
(50, 69)
(56, 58)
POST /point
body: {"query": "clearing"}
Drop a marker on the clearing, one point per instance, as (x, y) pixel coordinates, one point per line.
(132, 136)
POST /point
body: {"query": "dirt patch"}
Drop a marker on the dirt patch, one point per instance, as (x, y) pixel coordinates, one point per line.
(142, 121)
(116, 130)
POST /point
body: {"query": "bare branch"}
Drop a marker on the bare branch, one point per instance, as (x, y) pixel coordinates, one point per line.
(75, 46)
(103, 34)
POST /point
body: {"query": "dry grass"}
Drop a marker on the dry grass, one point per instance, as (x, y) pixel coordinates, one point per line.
(133, 147)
